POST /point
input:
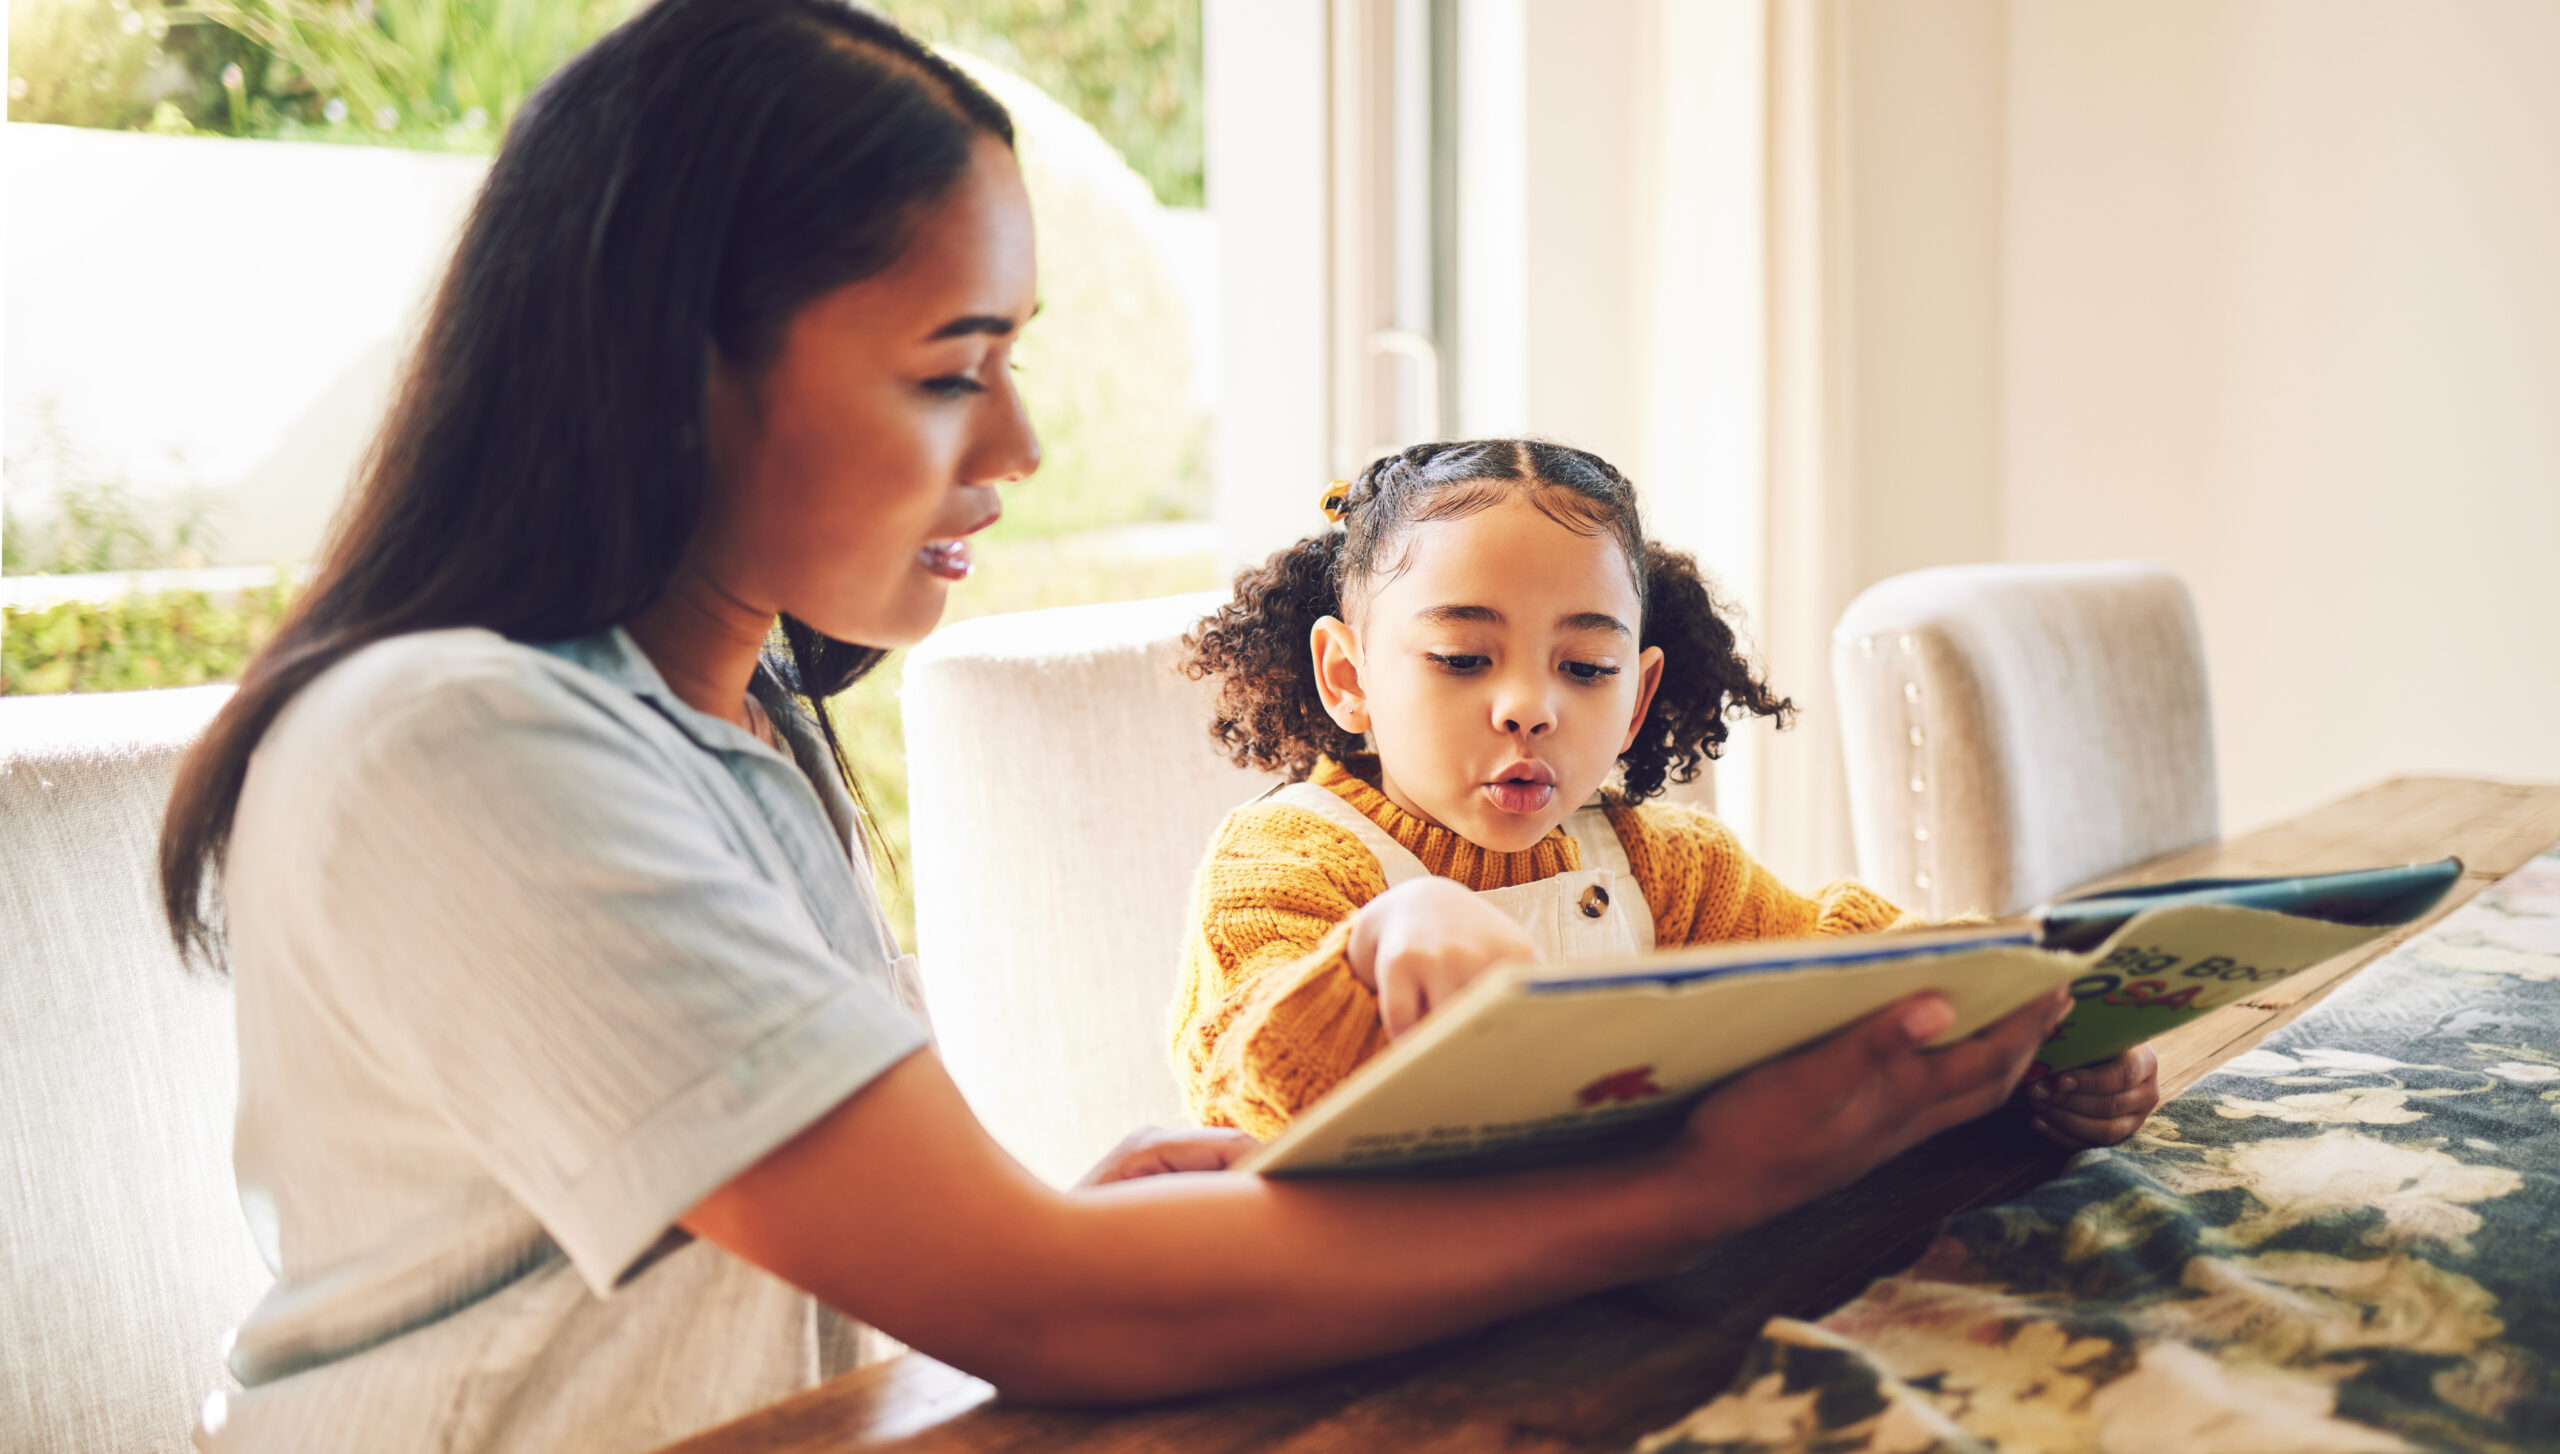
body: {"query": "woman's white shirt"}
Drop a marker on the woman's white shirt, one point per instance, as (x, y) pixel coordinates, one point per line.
(531, 957)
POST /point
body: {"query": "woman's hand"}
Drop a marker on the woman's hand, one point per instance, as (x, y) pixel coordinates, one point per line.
(1424, 940)
(1821, 1118)
(2096, 1105)
(1158, 1150)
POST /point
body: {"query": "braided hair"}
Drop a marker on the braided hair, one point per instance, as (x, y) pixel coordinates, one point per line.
(1269, 713)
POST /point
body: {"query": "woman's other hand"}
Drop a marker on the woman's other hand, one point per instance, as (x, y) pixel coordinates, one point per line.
(2096, 1105)
(1819, 1119)
(1423, 941)
(1158, 1150)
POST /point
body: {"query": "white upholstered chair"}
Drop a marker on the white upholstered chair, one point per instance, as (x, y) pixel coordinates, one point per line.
(2012, 731)
(124, 1258)
(1061, 789)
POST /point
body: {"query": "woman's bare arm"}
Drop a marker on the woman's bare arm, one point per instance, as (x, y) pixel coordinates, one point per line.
(898, 1209)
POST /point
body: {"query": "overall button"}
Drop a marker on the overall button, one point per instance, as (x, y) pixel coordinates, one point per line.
(1595, 902)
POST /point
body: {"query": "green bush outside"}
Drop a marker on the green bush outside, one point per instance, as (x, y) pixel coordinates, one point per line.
(449, 74)
(96, 65)
(175, 639)
(92, 518)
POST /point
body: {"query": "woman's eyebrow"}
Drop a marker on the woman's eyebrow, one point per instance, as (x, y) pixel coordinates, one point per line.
(994, 323)
(974, 323)
(1593, 621)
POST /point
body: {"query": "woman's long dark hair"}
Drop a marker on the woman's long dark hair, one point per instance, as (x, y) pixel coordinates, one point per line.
(689, 182)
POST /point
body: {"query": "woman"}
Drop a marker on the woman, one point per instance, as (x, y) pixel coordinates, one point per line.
(574, 1079)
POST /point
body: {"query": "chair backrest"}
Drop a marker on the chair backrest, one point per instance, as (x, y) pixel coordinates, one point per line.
(122, 1247)
(1062, 787)
(2013, 731)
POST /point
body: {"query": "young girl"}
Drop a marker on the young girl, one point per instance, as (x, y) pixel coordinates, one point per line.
(1490, 614)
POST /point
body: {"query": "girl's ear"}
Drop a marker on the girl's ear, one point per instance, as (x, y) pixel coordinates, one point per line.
(1336, 649)
(1648, 680)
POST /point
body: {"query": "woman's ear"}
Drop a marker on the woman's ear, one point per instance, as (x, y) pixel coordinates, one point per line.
(1336, 649)
(1648, 680)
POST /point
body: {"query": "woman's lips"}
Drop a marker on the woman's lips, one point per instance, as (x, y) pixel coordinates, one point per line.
(949, 556)
(948, 559)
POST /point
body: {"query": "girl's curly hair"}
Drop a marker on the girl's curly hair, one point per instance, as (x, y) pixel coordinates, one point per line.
(1269, 715)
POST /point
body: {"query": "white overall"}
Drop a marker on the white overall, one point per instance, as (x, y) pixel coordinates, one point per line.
(1595, 912)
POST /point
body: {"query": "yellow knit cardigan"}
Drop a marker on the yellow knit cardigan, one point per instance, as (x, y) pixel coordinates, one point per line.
(1269, 1015)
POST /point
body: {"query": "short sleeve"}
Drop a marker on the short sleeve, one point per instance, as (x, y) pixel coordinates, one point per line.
(532, 917)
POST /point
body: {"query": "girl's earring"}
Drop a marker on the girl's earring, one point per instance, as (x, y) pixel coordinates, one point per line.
(1338, 677)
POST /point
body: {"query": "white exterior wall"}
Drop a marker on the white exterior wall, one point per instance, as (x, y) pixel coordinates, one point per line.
(198, 312)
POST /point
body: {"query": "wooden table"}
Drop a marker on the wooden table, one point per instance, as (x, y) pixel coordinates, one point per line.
(1595, 1373)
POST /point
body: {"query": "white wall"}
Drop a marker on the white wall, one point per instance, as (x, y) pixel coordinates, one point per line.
(1884, 176)
(2262, 290)
(1923, 112)
(1559, 172)
(1699, 305)
(218, 314)
(1492, 356)
(1584, 89)
(2283, 312)
(1264, 85)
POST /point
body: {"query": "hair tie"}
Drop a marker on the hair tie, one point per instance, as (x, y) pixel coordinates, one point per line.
(1337, 500)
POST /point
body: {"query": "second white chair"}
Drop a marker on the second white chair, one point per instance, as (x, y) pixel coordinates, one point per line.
(2013, 731)
(1062, 787)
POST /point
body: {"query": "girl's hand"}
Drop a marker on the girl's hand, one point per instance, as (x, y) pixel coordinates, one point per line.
(1159, 1150)
(1821, 1118)
(2096, 1105)
(1424, 940)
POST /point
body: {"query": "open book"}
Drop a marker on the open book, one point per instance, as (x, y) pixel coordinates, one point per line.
(1534, 1062)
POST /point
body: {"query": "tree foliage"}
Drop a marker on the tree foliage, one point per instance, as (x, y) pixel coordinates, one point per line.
(448, 74)
(1131, 68)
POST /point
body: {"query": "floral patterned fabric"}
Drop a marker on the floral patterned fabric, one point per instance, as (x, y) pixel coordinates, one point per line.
(2347, 1239)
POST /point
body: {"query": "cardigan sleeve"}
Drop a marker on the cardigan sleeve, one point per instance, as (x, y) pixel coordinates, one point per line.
(1704, 889)
(1269, 1016)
